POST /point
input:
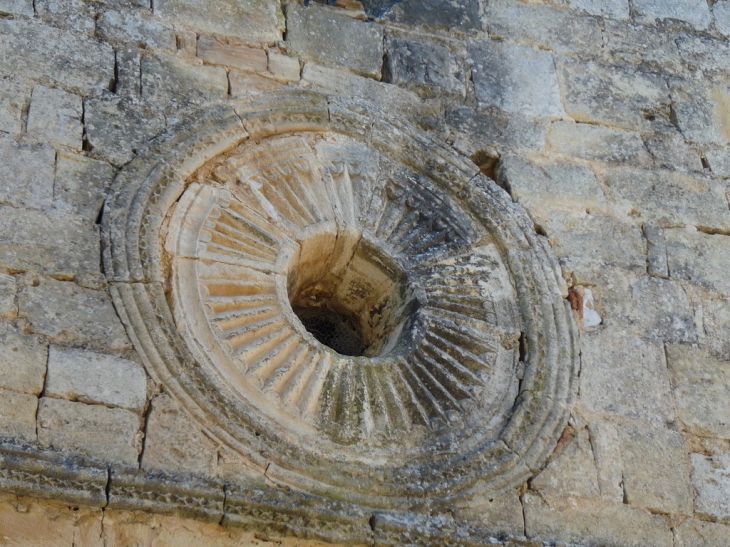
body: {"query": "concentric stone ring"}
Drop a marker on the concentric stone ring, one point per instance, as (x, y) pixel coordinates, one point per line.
(343, 301)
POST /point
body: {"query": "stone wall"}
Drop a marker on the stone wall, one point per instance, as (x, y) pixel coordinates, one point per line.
(608, 121)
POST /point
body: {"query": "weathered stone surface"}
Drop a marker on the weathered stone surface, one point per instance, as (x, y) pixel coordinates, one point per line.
(656, 468)
(71, 314)
(615, 9)
(18, 412)
(55, 116)
(128, 82)
(256, 20)
(712, 316)
(670, 150)
(515, 78)
(607, 453)
(26, 173)
(14, 95)
(698, 533)
(483, 128)
(22, 361)
(622, 374)
(81, 185)
(700, 111)
(597, 142)
(136, 28)
(605, 525)
(284, 68)
(646, 48)
(110, 435)
(16, 7)
(48, 54)
(694, 12)
(168, 78)
(462, 16)
(596, 94)
(656, 251)
(711, 480)
(216, 52)
(719, 161)
(48, 242)
(246, 84)
(173, 444)
(721, 12)
(330, 38)
(95, 378)
(116, 129)
(500, 514)
(701, 258)
(8, 288)
(699, 53)
(74, 14)
(428, 67)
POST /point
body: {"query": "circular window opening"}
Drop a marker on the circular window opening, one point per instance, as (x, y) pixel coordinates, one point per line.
(352, 296)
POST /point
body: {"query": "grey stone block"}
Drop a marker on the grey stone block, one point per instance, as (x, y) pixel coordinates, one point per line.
(8, 288)
(14, 96)
(462, 16)
(232, 55)
(700, 53)
(698, 533)
(81, 185)
(699, 110)
(719, 161)
(711, 480)
(615, 9)
(26, 173)
(135, 28)
(18, 412)
(16, 7)
(487, 127)
(670, 150)
(55, 117)
(167, 78)
(71, 14)
(659, 309)
(425, 66)
(694, 12)
(597, 142)
(283, 67)
(656, 251)
(721, 13)
(22, 361)
(701, 258)
(647, 48)
(607, 453)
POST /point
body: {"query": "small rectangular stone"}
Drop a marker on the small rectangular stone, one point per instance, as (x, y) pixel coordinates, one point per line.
(597, 142)
(719, 161)
(698, 533)
(239, 56)
(327, 37)
(484, 128)
(55, 116)
(95, 378)
(70, 14)
(670, 150)
(711, 480)
(694, 12)
(23, 360)
(136, 28)
(128, 82)
(647, 48)
(500, 514)
(26, 173)
(462, 15)
(607, 452)
(656, 251)
(428, 67)
(8, 288)
(284, 68)
(169, 78)
(701, 258)
(18, 413)
(81, 185)
(109, 435)
(16, 7)
(14, 96)
(614, 9)
(247, 84)
(700, 53)
(700, 111)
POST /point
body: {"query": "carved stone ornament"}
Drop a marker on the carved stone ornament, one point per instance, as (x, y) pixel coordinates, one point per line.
(343, 302)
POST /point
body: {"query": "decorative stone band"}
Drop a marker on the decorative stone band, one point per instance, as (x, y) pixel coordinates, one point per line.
(232, 233)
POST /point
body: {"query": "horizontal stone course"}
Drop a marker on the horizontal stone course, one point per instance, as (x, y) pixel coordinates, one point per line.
(135, 28)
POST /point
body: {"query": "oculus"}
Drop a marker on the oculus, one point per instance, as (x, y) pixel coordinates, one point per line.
(343, 301)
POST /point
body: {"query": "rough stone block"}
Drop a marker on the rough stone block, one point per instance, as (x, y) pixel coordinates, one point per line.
(48, 54)
(81, 185)
(607, 453)
(719, 161)
(477, 129)
(694, 12)
(284, 68)
(253, 20)
(118, 128)
(18, 412)
(22, 361)
(71, 14)
(647, 48)
(8, 288)
(712, 315)
(422, 65)
(597, 142)
(615, 9)
(500, 514)
(656, 251)
(14, 95)
(110, 435)
(701, 385)
(215, 52)
(95, 378)
(246, 84)
(604, 525)
(128, 83)
(330, 38)
(698, 533)
(671, 151)
(656, 468)
(135, 28)
(623, 374)
(701, 258)
(48, 242)
(699, 53)
(700, 111)
(597, 94)
(26, 173)
(515, 78)
(16, 7)
(711, 480)
(55, 116)
(462, 15)
(169, 78)
(174, 444)
(70, 314)
(721, 13)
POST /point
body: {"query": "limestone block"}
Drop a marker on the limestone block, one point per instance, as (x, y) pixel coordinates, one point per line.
(694, 12)
(483, 128)
(607, 453)
(246, 84)
(169, 78)
(48, 54)
(515, 78)
(647, 48)
(700, 110)
(8, 288)
(500, 514)
(284, 68)
(81, 185)
(656, 468)
(711, 480)
(90, 377)
(656, 251)
(623, 374)
(111, 435)
(22, 361)
(423, 65)
(605, 525)
(543, 26)
(55, 116)
(129, 73)
(14, 94)
(701, 385)
(587, 97)
(721, 13)
(252, 20)
(26, 173)
(719, 161)
(701, 258)
(670, 150)
(712, 316)
(18, 412)
(698, 533)
(667, 198)
(137, 28)
(174, 444)
(215, 52)
(70, 314)
(462, 15)
(73, 14)
(330, 38)
(16, 7)
(597, 142)
(48, 242)
(117, 128)
(615, 9)
(712, 57)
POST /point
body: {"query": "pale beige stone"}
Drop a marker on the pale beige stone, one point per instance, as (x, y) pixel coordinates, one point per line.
(711, 481)
(215, 52)
(701, 258)
(14, 94)
(26, 173)
(670, 150)
(168, 78)
(247, 84)
(55, 116)
(500, 514)
(607, 453)
(597, 142)
(699, 110)
(136, 28)
(17, 416)
(8, 288)
(698, 533)
(110, 435)
(91, 377)
(284, 68)
(81, 185)
(22, 361)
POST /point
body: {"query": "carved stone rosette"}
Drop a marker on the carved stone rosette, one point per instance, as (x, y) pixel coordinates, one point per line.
(343, 301)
